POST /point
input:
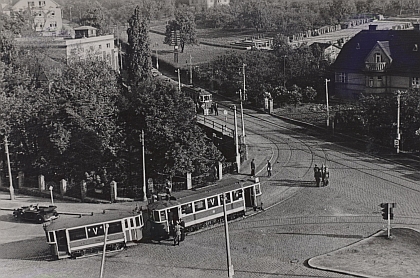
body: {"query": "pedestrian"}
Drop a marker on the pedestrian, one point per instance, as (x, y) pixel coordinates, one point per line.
(325, 175)
(215, 175)
(253, 167)
(269, 168)
(317, 175)
(177, 234)
(216, 111)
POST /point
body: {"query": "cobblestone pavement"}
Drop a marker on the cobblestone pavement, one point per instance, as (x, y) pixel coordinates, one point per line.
(300, 221)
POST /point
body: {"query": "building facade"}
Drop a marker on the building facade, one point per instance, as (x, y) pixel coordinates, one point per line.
(85, 44)
(378, 62)
(203, 3)
(46, 15)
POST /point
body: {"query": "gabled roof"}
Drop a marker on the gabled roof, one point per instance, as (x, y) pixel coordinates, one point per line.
(398, 44)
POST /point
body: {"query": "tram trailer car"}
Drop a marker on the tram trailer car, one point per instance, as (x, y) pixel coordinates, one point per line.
(78, 237)
(202, 98)
(204, 208)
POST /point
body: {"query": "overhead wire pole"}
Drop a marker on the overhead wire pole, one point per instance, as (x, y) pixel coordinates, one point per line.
(228, 257)
(238, 157)
(179, 79)
(11, 189)
(398, 121)
(284, 70)
(242, 109)
(191, 73)
(144, 166)
(104, 251)
(326, 97)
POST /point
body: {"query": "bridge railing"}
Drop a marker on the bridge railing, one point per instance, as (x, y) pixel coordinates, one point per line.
(215, 125)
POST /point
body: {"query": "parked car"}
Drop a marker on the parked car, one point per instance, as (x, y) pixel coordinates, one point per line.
(35, 213)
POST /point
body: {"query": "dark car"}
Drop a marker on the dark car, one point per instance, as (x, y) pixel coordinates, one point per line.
(36, 213)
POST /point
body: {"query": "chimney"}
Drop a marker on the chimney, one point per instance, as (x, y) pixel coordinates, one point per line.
(372, 27)
(416, 26)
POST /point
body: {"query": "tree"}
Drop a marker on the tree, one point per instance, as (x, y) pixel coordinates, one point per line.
(184, 23)
(139, 59)
(174, 144)
(95, 17)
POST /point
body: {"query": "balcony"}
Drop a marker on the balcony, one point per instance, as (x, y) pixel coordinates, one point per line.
(378, 67)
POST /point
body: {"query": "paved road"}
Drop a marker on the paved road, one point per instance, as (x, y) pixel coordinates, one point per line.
(302, 221)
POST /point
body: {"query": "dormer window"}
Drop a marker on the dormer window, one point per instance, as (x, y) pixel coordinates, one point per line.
(358, 46)
(378, 58)
(416, 47)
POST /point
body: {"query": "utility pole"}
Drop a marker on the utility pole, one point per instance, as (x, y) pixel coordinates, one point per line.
(284, 71)
(242, 109)
(238, 157)
(104, 251)
(191, 73)
(144, 166)
(229, 260)
(326, 97)
(157, 56)
(11, 189)
(179, 79)
(398, 121)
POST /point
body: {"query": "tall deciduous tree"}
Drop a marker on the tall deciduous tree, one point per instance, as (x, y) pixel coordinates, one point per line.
(139, 59)
(184, 23)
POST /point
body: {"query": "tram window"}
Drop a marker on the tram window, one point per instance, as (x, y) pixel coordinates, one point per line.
(237, 195)
(126, 223)
(114, 227)
(51, 236)
(200, 205)
(77, 234)
(132, 222)
(162, 215)
(137, 221)
(257, 189)
(186, 209)
(212, 202)
(227, 198)
(96, 230)
(156, 215)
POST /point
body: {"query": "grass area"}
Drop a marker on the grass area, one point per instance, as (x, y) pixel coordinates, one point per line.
(201, 54)
(377, 256)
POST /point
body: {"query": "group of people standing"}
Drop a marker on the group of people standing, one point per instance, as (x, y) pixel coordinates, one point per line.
(269, 168)
(321, 174)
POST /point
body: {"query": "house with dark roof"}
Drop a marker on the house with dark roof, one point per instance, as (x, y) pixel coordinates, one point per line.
(378, 62)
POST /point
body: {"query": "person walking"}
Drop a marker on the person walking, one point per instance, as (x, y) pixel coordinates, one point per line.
(177, 235)
(269, 168)
(317, 175)
(216, 111)
(253, 167)
(325, 175)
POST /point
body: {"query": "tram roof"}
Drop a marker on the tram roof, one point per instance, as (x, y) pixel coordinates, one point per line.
(75, 221)
(188, 196)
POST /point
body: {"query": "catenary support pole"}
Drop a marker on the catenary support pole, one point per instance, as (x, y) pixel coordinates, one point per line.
(11, 189)
(229, 260)
(327, 99)
(144, 166)
(238, 157)
(104, 251)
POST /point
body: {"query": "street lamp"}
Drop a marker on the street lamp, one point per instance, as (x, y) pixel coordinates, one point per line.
(179, 79)
(51, 193)
(229, 261)
(238, 157)
(191, 73)
(144, 166)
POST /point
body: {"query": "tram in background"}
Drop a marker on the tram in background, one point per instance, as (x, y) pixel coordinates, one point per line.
(205, 207)
(78, 237)
(202, 98)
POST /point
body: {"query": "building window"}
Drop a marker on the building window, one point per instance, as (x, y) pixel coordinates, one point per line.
(379, 78)
(378, 58)
(31, 4)
(41, 3)
(100, 46)
(53, 24)
(341, 77)
(415, 82)
(108, 45)
(52, 13)
(371, 82)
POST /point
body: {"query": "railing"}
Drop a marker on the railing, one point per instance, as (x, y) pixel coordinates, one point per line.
(215, 125)
(380, 66)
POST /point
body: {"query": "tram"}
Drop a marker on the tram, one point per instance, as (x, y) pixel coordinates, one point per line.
(79, 237)
(202, 98)
(204, 208)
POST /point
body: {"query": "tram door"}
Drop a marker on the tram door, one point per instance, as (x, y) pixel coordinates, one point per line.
(249, 197)
(129, 226)
(62, 246)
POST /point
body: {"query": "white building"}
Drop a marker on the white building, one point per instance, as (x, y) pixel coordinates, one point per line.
(85, 44)
(46, 15)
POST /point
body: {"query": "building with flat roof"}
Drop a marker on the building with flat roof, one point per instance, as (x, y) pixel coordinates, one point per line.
(85, 44)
